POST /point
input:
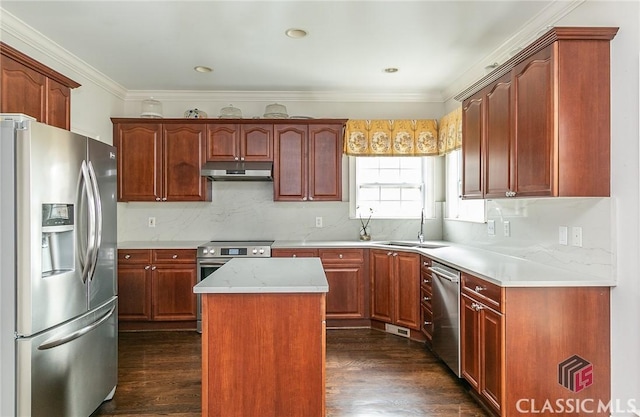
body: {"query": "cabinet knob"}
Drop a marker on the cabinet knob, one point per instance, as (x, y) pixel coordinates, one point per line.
(310, 198)
(425, 264)
(164, 198)
(510, 193)
(242, 159)
(395, 253)
(428, 323)
(157, 198)
(127, 256)
(340, 256)
(426, 281)
(175, 256)
(294, 256)
(235, 158)
(476, 306)
(479, 288)
(304, 198)
(146, 268)
(389, 253)
(426, 298)
(153, 268)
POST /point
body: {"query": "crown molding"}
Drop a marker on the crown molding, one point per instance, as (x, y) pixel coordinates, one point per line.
(16, 28)
(534, 28)
(284, 96)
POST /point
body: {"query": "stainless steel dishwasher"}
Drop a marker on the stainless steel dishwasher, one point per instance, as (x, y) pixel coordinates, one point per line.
(446, 315)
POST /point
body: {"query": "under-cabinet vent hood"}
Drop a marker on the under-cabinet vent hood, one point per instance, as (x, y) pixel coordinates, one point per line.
(238, 171)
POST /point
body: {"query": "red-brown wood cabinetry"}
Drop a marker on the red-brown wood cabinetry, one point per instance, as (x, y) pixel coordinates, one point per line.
(539, 125)
(34, 89)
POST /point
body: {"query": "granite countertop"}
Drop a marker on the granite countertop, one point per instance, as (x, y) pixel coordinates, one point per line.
(503, 270)
(266, 275)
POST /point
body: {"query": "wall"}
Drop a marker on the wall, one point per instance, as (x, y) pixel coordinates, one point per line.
(610, 225)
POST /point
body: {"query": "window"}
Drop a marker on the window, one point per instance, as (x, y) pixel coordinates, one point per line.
(393, 187)
(457, 208)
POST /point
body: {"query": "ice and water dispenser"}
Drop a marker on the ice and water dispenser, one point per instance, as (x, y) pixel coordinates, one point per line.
(57, 238)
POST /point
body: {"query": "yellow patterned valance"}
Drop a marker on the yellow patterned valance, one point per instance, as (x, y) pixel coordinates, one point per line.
(391, 138)
(450, 132)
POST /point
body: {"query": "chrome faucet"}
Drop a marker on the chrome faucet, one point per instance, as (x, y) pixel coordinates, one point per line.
(421, 234)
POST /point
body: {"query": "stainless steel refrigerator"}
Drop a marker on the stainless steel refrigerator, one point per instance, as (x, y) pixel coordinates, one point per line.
(58, 290)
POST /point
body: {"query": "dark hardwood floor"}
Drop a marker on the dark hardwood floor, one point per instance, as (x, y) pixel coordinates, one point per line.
(369, 373)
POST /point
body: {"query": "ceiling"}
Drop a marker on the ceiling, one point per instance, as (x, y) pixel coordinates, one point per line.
(154, 45)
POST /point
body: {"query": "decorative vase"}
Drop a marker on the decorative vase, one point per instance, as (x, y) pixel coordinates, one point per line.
(364, 234)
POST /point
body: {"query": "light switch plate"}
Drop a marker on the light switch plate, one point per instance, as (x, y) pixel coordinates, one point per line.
(491, 227)
(563, 235)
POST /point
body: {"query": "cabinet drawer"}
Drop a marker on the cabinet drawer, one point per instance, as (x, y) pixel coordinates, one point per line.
(341, 255)
(482, 290)
(427, 321)
(425, 280)
(426, 297)
(174, 255)
(134, 256)
(294, 253)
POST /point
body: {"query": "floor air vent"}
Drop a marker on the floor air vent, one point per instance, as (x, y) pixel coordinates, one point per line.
(397, 330)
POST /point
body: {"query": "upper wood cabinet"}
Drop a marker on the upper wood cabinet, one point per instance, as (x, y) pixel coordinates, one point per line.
(240, 142)
(308, 162)
(34, 89)
(160, 162)
(539, 125)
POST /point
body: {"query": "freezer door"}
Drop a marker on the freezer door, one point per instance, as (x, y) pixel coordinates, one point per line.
(70, 370)
(48, 268)
(102, 168)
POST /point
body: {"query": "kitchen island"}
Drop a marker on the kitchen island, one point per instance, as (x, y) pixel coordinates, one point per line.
(263, 338)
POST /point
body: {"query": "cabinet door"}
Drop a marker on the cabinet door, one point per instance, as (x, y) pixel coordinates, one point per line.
(134, 292)
(172, 292)
(407, 290)
(470, 342)
(183, 150)
(290, 163)
(58, 104)
(256, 142)
(533, 112)
(345, 299)
(325, 162)
(381, 270)
(23, 90)
(222, 142)
(472, 113)
(139, 161)
(491, 357)
(497, 147)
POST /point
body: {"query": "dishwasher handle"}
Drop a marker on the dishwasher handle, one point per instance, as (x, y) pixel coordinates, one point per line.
(444, 275)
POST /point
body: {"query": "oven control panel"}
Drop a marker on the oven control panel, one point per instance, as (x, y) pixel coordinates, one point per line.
(235, 250)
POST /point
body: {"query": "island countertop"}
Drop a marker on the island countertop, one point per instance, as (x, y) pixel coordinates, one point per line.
(266, 275)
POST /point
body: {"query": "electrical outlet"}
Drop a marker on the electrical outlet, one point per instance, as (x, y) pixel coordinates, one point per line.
(506, 226)
(151, 222)
(576, 236)
(563, 235)
(491, 227)
(318, 221)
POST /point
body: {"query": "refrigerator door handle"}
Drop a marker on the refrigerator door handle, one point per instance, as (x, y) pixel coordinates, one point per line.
(87, 264)
(97, 219)
(50, 344)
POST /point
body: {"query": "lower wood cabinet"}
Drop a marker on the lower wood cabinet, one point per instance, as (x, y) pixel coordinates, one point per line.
(516, 344)
(345, 270)
(395, 287)
(155, 288)
(426, 299)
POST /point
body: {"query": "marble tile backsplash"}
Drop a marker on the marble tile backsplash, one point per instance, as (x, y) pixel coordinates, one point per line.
(246, 210)
(535, 224)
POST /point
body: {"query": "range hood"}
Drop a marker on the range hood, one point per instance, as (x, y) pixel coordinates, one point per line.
(238, 171)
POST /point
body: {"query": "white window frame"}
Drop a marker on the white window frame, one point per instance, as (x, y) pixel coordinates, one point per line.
(428, 186)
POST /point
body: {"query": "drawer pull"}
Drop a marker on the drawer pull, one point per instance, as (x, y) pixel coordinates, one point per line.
(479, 288)
(426, 281)
(428, 323)
(426, 298)
(477, 307)
(425, 263)
(175, 256)
(127, 256)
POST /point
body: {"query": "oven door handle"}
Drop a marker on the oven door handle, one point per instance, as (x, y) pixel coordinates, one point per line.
(212, 263)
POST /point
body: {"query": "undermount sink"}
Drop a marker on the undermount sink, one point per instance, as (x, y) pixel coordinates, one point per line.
(423, 245)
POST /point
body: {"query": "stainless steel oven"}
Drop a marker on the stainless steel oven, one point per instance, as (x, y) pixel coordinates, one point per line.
(213, 255)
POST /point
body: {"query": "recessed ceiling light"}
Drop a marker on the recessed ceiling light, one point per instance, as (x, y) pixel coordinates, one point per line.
(296, 33)
(390, 70)
(201, 68)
